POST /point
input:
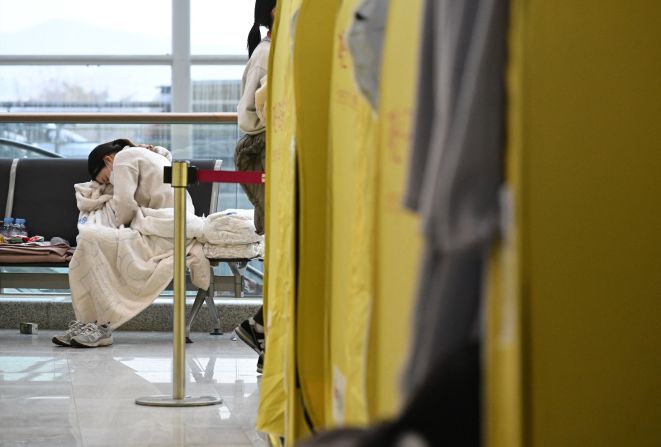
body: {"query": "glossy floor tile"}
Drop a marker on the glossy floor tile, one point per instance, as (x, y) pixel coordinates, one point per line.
(56, 396)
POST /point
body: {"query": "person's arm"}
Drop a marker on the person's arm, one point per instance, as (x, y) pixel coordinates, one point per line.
(260, 99)
(248, 119)
(125, 182)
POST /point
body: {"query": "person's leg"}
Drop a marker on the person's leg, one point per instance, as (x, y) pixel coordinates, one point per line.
(258, 327)
(251, 333)
(250, 155)
(259, 316)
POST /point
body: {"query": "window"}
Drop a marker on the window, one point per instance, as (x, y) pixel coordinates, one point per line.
(220, 26)
(83, 56)
(84, 88)
(76, 27)
(68, 55)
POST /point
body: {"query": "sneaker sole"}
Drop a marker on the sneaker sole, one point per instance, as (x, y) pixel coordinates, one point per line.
(98, 344)
(59, 342)
(247, 339)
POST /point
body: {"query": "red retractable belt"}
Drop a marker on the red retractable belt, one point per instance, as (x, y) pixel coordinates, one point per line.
(245, 177)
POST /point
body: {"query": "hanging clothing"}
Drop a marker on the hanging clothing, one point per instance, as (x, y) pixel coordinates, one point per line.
(441, 412)
(458, 149)
(365, 41)
(456, 165)
(454, 183)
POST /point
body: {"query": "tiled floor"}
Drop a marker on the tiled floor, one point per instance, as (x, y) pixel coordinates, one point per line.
(56, 396)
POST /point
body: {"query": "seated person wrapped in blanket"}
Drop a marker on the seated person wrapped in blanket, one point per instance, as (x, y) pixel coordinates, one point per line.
(124, 257)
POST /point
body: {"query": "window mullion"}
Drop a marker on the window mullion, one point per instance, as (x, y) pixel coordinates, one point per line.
(181, 56)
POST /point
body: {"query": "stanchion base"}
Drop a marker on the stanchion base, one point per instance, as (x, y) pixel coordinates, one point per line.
(169, 401)
(216, 332)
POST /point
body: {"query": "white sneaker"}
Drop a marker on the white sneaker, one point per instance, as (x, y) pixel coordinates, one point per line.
(93, 336)
(65, 339)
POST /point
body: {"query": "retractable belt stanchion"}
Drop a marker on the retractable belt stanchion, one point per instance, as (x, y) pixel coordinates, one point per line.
(180, 175)
(179, 180)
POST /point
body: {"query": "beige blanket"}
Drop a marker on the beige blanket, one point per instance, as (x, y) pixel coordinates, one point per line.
(93, 200)
(115, 273)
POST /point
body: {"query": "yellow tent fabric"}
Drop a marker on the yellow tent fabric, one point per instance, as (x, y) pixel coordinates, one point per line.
(503, 344)
(280, 256)
(312, 62)
(397, 230)
(353, 137)
(577, 318)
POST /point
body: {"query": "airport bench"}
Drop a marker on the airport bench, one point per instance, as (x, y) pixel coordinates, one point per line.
(43, 194)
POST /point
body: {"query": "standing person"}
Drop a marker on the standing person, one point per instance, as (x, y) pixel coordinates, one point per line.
(250, 153)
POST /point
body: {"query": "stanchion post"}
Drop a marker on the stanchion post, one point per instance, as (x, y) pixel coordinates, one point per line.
(179, 180)
(179, 183)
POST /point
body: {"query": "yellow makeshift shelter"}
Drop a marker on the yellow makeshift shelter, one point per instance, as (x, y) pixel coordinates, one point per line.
(313, 47)
(573, 284)
(325, 339)
(397, 231)
(353, 137)
(280, 262)
(573, 345)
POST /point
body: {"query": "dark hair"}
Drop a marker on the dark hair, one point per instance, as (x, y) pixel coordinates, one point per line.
(95, 159)
(263, 17)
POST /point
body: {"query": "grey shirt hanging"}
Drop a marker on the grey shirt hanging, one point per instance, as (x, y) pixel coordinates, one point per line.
(456, 171)
(456, 165)
(365, 41)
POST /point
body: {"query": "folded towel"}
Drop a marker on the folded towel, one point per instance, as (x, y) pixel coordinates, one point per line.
(231, 227)
(223, 251)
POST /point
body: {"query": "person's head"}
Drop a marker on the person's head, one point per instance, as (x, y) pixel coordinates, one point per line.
(263, 17)
(100, 160)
